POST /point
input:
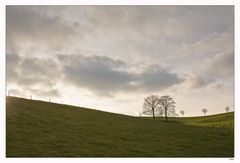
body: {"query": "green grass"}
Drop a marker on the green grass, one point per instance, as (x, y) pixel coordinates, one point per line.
(43, 129)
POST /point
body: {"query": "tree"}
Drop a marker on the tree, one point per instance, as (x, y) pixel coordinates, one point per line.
(151, 105)
(227, 109)
(182, 112)
(204, 111)
(168, 105)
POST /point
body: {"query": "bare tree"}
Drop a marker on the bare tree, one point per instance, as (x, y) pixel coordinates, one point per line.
(151, 105)
(182, 112)
(227, 109)
(168, 104)
(204, 111)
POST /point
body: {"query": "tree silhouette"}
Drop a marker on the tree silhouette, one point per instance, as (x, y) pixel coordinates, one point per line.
(204, 111)
(151, 105)
(182, 112)
(168, 104)
(227, 109)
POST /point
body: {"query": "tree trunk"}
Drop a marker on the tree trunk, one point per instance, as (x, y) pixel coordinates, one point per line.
(166, 114)
(153, 113)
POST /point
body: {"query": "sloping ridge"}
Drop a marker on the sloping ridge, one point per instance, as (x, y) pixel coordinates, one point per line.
(43, 129)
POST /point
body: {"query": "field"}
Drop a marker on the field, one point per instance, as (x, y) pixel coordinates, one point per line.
(43, 129)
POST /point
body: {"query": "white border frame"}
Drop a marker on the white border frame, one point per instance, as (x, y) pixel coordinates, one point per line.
(115, 2)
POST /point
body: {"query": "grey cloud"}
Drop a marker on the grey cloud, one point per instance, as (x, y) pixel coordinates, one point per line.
(99, 74)
(38, 71)
(156, 78)
(34, 66)
(179, 35)
(214, 18)
(102, 75)
(44, 92)
(27, 92)
(32, 72)
(142, 28)
(209, 45)
(194, 81)
(215, 73)
(140, 24)
(162, 30)
(203, 81)
(106, 76)
(221, 66)
(215, 86)
(12, 64)
(202, 20)
(200, 56)
(38, 26)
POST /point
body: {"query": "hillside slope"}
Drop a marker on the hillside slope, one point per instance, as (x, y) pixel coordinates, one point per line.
(43, 129)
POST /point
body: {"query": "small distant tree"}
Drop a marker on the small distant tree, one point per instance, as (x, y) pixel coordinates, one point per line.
(151, 105)
(227, 109)
(204, 111)
(182, 112)
(168, 105)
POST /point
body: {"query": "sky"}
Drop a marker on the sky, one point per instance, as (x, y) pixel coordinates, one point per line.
(111, 57)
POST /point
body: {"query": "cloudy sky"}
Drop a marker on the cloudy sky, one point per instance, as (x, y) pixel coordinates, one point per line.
(111, 57)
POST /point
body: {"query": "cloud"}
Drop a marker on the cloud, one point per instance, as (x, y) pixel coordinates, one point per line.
(214, 86)
(202, 82)
(44, 92)
(194, 81)
(113, 28)
(33, 73)
(221, 66)
(173, 33)
(13, 62)
(101, 75)
(106, 76)
(33, 67)
(38, 28)
(209, 45)
(38, 71)
(156, 78)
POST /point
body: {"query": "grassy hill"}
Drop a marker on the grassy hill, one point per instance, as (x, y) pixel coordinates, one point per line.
(43, 129)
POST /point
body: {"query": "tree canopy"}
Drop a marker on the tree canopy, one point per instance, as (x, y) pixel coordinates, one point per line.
(153, 105)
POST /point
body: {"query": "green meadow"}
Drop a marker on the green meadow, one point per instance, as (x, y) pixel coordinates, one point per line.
(43, 129)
